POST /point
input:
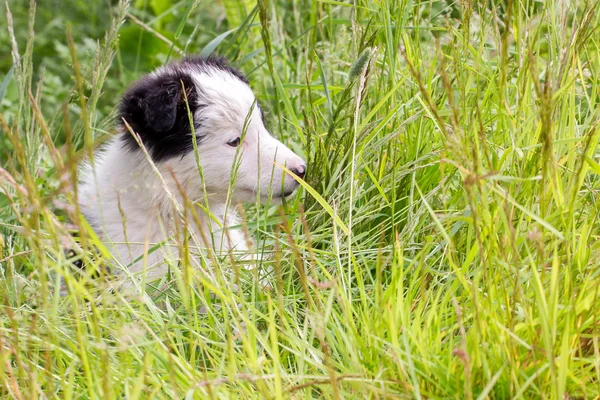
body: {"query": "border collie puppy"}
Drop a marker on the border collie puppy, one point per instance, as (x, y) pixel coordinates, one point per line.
(136, 199)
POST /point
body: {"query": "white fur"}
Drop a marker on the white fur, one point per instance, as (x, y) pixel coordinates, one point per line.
(133, 205)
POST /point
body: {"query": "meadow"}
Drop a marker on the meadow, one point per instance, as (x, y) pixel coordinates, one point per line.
(444, 243)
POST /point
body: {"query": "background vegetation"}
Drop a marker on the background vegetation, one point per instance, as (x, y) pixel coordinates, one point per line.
(445, 245)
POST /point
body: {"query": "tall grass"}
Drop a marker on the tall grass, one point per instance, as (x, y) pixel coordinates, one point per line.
(444, 245)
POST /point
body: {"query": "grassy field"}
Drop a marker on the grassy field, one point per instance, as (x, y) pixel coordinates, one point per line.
(445, 243)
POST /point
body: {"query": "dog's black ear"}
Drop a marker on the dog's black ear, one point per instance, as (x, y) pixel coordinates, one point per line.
(159, 104)
(156, 110)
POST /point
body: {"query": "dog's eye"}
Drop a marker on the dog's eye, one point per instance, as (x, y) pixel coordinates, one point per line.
(235, 142)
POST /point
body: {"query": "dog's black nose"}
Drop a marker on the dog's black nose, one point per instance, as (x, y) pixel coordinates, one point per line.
(300, 171)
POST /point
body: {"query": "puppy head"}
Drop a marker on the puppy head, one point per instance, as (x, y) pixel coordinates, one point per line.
(234, 146)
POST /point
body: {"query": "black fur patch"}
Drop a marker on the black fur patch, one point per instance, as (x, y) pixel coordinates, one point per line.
(215, 62)
(155, 107)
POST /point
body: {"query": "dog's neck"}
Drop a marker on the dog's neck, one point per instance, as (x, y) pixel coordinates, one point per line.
(134, 205)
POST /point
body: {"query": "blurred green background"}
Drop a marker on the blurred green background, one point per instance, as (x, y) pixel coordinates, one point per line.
(139, 48)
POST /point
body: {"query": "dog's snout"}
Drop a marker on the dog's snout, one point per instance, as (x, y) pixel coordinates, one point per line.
(300, 170)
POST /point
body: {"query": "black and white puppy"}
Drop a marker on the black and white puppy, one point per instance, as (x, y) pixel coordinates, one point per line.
(134, 201)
